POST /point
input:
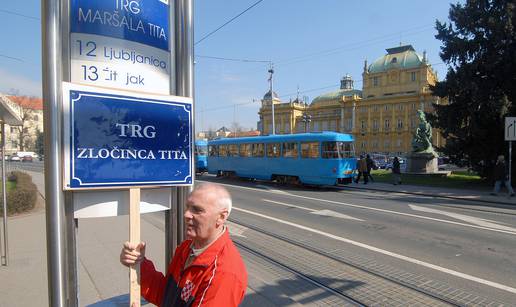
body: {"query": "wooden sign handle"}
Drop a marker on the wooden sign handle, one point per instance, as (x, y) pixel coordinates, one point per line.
(134, 238)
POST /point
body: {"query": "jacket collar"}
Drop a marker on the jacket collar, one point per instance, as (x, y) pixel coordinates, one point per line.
(208, 256)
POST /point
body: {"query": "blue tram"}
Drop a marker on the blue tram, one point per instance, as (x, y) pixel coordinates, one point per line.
(325, 158)
(201, 156)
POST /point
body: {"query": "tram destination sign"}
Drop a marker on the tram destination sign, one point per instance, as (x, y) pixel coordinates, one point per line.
(121, 44)
(115, 139)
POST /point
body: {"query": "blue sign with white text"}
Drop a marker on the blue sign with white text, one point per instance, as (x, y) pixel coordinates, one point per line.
(141, 21)
(118, 140)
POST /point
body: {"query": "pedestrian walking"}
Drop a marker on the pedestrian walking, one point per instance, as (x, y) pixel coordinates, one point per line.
(396, 172)
(370, 166)
(501, 176)
(206, 269)
(362, 170)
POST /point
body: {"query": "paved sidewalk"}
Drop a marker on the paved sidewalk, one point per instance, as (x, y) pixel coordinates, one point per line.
(103, 281)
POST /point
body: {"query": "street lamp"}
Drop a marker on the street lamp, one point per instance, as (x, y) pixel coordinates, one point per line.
(271, 72)
(306, 118)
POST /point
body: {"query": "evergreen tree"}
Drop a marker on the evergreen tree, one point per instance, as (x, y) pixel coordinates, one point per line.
(479, 46)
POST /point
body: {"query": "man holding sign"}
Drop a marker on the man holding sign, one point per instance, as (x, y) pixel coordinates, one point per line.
(206, 269)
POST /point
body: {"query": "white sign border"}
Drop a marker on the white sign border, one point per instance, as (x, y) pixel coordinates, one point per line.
(99, 92)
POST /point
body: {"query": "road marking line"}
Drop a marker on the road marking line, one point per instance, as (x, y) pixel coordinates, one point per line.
(466, 218)
(324, 212)
(379, 210)
(385, 252)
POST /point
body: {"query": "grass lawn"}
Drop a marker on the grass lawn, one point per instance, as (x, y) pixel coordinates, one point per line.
(459, 180)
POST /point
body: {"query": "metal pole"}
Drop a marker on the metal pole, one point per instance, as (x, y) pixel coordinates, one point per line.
(271, 71)
(510, 162)
(5, 256)
(54, 197)
(184, 55)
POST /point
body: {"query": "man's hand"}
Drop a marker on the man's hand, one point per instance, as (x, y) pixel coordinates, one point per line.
(132, 253)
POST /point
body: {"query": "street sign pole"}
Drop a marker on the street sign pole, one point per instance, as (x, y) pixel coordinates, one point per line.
(510, 161)
(510, 135)
(183, 38)
(54, 197)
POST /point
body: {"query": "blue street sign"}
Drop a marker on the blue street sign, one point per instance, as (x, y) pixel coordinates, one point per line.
(118, 140)
(145, 22)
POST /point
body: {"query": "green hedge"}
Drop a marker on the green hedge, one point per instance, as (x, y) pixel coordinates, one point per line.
(23, 197)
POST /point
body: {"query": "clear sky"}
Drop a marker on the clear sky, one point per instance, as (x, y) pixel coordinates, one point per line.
(313, 43)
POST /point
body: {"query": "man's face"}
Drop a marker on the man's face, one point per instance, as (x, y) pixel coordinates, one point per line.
(202, 216)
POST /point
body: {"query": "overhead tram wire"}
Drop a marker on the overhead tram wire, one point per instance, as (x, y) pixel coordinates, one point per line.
(232, 59)
(227, 22)
(18, 14)
(327, 52)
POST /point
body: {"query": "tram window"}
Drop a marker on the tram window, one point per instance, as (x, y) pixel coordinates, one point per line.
(310, 150)
(223, 150)
(273, 150)
(258, 149)
(330, 150)
(233, 150)
(201, 150)
(346, 149)
(289, 150)
(245, 150)
(214, 150)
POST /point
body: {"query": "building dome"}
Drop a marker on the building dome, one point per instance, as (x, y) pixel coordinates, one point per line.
(267, 96)
(346, 90)
(402, 57)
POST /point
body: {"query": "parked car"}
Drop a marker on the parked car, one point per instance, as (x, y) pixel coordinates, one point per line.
(26, 159)
(15, 158)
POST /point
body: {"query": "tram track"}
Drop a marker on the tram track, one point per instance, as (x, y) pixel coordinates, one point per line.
(301, 275)
(398, 282)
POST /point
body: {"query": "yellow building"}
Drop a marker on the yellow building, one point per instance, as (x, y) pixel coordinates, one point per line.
(382, 116)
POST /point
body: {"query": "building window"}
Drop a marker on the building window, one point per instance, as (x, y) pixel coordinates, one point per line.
(387, 124)
(363, 124)
(375, 109)
(413, 106)
(325, 126)
(375, 81)
(386, 107)
(398, 143)
(400, 124)
(413, 76)
(400, 107)
(394, 60)
(36, 118)
(375, 124)
(386, 145)
(412, 123)
(363, 145)
(14, 129)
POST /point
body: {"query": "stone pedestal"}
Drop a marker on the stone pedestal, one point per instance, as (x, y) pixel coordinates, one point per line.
(423, 163)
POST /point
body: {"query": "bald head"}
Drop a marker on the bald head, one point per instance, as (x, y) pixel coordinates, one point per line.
(217, 195)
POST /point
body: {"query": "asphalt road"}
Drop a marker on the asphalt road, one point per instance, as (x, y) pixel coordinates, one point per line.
(452, 243)
(450, 246)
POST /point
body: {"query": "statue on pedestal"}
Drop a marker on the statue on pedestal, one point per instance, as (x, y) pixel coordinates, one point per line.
(422, 142)
(423, 158)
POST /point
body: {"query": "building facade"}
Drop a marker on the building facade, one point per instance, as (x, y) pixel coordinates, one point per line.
(382, 116)
(30, 110)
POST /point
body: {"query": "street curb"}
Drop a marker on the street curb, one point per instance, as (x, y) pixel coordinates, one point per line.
(503, 205)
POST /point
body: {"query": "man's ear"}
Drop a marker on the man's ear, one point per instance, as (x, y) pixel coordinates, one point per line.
(223, 217)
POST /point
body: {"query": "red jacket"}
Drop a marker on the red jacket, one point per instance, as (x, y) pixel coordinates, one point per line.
(217, 277)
